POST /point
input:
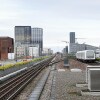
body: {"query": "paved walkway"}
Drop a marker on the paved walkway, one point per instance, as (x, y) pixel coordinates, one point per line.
(65, 86)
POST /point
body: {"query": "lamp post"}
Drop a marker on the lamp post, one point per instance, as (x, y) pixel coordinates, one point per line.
(66, 62)
(16, 54)
(66, 44)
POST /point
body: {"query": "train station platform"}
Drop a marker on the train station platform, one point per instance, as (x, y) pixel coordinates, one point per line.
(58, 82)
(61, 84)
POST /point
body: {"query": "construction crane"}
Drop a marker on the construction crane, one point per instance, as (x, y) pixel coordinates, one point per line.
(65, 41)
(78, 38)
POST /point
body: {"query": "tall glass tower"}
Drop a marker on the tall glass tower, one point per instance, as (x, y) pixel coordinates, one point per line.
(37, 37)
(72, 37)
(23, 34)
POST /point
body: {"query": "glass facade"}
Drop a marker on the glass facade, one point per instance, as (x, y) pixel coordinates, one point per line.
(23, 34)
(26, 35)
(72, 37)
(37, 37)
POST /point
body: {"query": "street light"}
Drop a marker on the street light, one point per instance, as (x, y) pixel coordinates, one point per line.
(16, 54)
(65, 42)
(66, 62)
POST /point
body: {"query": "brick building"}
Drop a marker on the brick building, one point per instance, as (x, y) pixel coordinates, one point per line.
(6, 46)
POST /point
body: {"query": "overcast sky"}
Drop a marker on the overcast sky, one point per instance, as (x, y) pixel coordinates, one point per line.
(56, 17)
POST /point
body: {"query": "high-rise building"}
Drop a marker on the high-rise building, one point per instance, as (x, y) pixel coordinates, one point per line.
(26, 36)
(22, 34)
(65, 51)
(72, 37)
(47, 51)
(74, 47)
(37, 38)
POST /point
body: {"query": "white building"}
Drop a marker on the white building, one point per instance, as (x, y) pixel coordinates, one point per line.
(47, 51)
(10, 55)
(22, 50)
(34, 51)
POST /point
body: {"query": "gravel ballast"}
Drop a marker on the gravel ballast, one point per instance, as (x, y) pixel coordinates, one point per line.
(24, 95)
(65, 83)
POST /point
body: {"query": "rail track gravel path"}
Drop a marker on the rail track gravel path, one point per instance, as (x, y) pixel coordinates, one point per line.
(10, 89)
(65, 82)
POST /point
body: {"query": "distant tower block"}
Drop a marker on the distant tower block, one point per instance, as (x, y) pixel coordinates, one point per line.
(72, 37)
(37, 38)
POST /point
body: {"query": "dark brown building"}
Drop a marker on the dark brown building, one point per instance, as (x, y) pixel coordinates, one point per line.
(6, 46)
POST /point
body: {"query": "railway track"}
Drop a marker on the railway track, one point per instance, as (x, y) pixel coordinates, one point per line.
(13, 87)
(81, 65)
(89, 63)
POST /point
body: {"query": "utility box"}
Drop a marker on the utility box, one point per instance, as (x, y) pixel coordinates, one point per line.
(94, 79)
(34, 51)
(87, 71)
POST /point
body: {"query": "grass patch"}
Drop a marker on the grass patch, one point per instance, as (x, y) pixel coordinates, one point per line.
(97, 59)
(22, 63)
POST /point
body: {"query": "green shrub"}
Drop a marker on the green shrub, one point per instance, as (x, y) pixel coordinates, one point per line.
(22, 63)
(97, 59)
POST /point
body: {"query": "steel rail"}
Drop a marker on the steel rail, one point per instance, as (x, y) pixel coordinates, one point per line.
(14, 85)
(17, 77)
